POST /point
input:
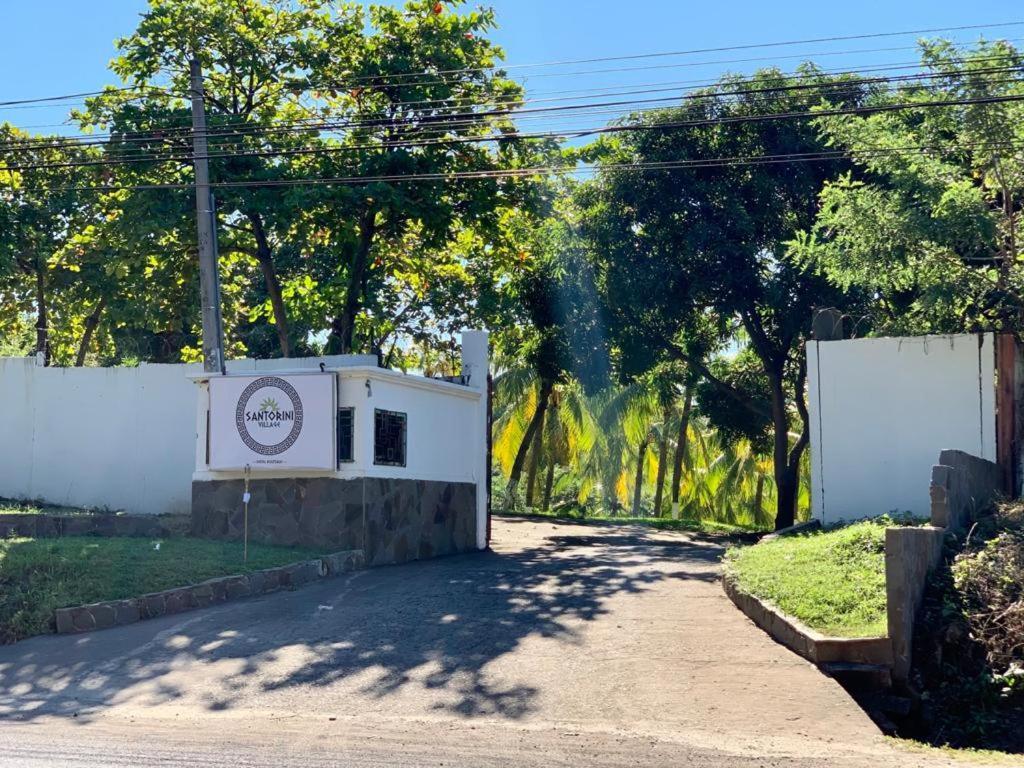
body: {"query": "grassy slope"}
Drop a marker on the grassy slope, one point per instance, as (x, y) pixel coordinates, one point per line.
(39, 575)
(832, 581)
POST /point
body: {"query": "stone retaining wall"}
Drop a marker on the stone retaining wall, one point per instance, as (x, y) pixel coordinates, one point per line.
(392, 521)
(86, 618)
(962, 486)
(49, 526)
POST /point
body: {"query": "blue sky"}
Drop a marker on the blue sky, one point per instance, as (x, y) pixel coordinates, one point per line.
(52, 47)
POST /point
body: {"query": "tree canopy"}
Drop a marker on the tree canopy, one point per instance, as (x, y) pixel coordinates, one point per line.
(375, 193)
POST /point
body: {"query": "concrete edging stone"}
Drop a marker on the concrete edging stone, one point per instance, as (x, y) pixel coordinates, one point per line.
(114, 613)
(802, 640)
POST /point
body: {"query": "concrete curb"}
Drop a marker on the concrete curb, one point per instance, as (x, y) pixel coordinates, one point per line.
(114, 613)
(812, 645)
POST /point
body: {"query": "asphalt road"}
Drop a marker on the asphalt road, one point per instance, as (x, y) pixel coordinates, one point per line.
(565, 646)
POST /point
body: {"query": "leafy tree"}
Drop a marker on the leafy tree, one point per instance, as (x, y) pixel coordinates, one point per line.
(929, 221)
(544, 313)
(688, 258)
(42, 210)
(422, 90)
(330, 91)
(249, 51)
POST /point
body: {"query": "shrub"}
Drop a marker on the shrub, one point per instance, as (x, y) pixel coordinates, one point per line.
(990, 582)
(969, 640)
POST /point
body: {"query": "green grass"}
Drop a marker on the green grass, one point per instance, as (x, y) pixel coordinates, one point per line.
(659, 523)
(12, 507)
(833, 581)
(40, 575)
(967, 756)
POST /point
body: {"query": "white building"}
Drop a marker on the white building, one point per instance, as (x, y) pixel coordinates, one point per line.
(392, 464)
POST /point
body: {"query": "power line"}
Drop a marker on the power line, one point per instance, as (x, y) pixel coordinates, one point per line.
(633, 127)
(65, 97)
(805, 56)
(249, 125)
(519, 112)
(719, 49)
(514, 173)
(382, 78)
(450, 121)
(519, 136)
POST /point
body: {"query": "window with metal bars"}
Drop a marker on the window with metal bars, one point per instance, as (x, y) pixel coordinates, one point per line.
(346, 435)
(389, 437)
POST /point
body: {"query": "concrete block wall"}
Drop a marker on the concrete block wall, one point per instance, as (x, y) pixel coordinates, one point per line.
(962, 486)
(910, 555)
(110, 438)
(879, 410)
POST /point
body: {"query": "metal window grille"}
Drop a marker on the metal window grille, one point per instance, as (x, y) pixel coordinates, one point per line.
(346, 435)
(389, 436)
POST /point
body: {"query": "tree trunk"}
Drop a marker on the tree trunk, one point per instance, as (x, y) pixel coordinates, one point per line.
(797, 452)
(343, 326)
(531, 430)
(549, 477)
(662, 463)
(549, 480)
(265, 257)
(787, 461)
(759, 498)
(91, 322)
(638, 483)
(681, 446)
(785, 478)
(42, 327)
(538, 449)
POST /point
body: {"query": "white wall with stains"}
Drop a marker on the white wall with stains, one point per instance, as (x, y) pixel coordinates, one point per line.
(881, 411)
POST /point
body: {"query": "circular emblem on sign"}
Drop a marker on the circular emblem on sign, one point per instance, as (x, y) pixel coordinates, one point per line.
(269, 416)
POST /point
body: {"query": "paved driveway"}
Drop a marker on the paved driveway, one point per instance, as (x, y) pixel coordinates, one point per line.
(566, 645)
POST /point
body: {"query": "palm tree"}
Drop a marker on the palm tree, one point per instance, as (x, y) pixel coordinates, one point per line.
(522, 405)
(603, 443)
(727, 481)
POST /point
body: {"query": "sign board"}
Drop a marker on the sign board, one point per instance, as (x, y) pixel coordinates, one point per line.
(272, 422)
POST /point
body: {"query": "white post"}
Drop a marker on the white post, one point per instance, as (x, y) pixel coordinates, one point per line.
(475, 367)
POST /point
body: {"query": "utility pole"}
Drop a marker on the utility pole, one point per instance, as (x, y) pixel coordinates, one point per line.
(209, 278)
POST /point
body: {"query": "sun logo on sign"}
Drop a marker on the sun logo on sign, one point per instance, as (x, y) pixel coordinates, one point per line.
(269, 405)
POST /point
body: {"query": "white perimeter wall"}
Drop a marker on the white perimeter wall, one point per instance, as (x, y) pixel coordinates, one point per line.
(882, 410)
(126, 438)
(120, 438)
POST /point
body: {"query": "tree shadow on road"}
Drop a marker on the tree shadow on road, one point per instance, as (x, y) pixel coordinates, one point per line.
(433, 626)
